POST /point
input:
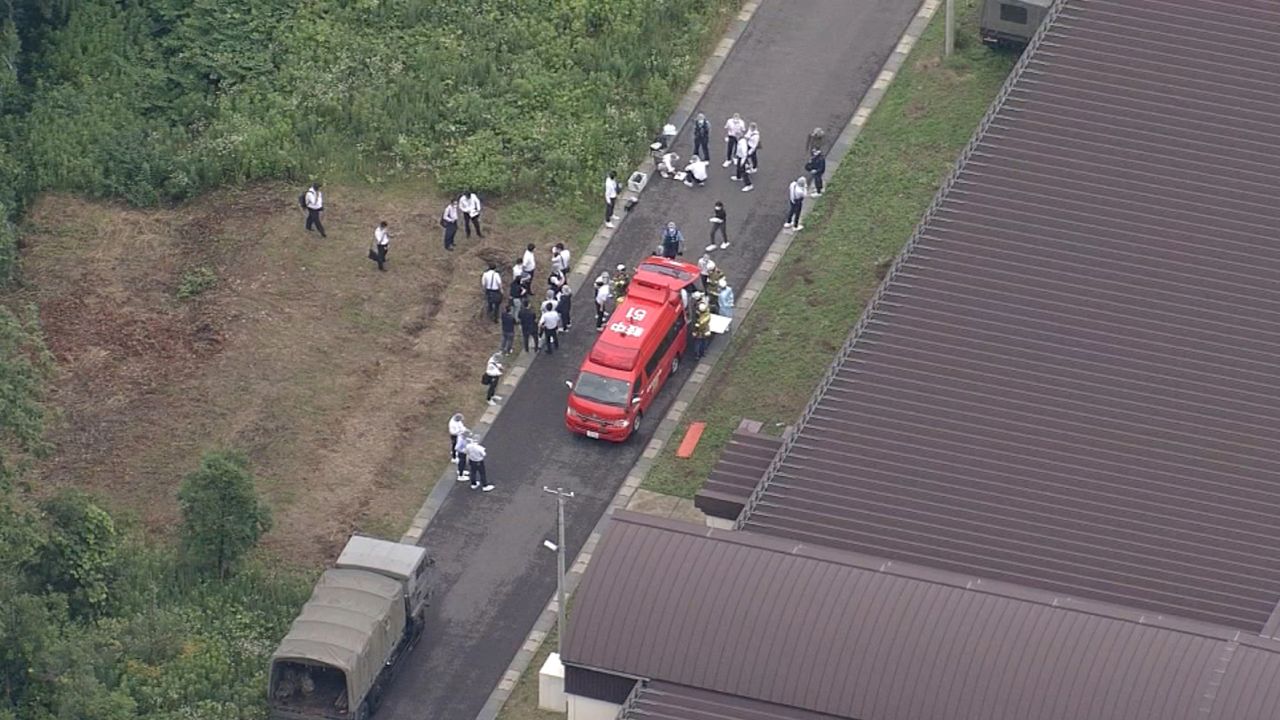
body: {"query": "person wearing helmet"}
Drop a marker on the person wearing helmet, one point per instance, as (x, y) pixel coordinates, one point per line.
(603, 293)
(725, 296)
(701, 330)
(672, 242)
(620, 282)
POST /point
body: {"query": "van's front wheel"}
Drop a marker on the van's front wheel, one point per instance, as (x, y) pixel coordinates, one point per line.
(637, 424)
(675, 365)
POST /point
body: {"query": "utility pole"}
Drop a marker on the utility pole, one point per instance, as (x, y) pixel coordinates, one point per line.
(560, 494)
(950, 43)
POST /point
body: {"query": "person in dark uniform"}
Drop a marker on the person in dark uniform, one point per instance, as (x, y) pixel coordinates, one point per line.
(702, 137)
(508, 330)
(528, 326)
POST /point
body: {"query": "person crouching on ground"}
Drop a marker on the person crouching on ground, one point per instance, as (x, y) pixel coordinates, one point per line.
(696, 172)
(492, 374)
(667, 166)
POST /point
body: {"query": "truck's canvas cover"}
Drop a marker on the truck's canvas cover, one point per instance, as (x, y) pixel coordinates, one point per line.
(389, 558)
(352, 622)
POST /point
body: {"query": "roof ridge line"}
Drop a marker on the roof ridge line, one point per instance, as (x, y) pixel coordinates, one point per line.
(869, 311)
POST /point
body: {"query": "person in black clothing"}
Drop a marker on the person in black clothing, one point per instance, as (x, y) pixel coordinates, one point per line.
(313, 201)
(508, 330)
(564, 303)
(719, 219)
(528, 326)
(702, 137)
(817, 167)
(519, 294)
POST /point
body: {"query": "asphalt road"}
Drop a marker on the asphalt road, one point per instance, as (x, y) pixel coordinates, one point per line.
(800, 64)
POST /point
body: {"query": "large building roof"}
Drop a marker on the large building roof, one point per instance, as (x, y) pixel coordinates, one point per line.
(825, 631)
(1071, 378)
(668, 701)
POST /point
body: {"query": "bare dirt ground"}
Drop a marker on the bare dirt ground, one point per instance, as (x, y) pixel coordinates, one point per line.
(337, 380)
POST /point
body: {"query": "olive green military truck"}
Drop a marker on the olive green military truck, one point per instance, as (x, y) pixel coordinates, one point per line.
(363, 617)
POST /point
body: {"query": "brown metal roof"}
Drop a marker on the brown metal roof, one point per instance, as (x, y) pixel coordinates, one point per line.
(1071, 378)
(668, 701)
(742, 464)
(760, 617)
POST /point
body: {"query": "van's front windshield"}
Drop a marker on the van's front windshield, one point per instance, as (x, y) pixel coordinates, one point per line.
(601, 389)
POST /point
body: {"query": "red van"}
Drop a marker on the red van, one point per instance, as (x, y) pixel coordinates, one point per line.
(638, 350)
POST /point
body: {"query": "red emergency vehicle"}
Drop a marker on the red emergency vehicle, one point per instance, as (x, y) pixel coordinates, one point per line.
(639, 349)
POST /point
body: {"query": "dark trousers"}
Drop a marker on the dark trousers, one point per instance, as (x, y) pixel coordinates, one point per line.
(462, 463)
(601, 316)
(313, 220)
(718, 228)
(700, 346)
(508, 341)
(549, 334)
(701, 148)
(453, 444)
(478, 477)
(530, 335)
(493, 387)
(450, 230)
(608, 209)
(793, 216)
(730, 144)
(754, 160)
(564, 307)
(817, 182)
(492, 301)
(742, 173)
(468, 221)
(381, 259)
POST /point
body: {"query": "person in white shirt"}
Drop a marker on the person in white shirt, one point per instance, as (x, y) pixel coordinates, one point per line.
(493, 371)
(667, 167)
(602, 300)
(753, 147)
(734, 129)
(449, 221)
(491, 281)
(469, 207)
(475, 457)
(517, 270)
(550, 324)
(460, 454)
(741, 154)
(314, 200)
(796, 193)
(610, 197)
(560, 258)
(529, 262)
(457, 426)
(696, 172)
(381, 243)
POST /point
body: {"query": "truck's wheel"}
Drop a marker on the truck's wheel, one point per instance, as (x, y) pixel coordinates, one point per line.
(637, 426)
(675, 364)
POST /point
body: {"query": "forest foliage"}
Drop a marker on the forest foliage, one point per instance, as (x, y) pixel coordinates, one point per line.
(154, 100)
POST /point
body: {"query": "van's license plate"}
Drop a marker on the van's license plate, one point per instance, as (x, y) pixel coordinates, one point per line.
(593, 434)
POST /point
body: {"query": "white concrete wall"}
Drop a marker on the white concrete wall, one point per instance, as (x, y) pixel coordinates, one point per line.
(551, 684)
(582, 708)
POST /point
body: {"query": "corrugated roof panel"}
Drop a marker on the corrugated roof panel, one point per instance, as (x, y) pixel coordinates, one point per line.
(854, 636)
(1069, 380)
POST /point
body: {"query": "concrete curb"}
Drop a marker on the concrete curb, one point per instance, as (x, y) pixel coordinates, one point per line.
(694, 384)
(578, 276)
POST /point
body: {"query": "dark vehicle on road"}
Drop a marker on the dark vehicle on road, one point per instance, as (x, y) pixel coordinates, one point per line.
(1011, 23)
(363, 616)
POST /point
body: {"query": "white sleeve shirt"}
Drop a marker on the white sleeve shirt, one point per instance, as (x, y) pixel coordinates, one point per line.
(475, 452)
(469, 204)
(450, 214)
(610, 189)
(381, 236)
(529, 263)
(797, 192)
(315, 199)
(753, 140)
(602, 294)
(491, 280)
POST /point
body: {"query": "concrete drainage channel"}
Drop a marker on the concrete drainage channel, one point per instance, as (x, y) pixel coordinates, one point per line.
(666, 428)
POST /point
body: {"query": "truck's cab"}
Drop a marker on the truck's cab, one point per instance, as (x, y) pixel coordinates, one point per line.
(1011, 22)
(639, 349)
(362, 617)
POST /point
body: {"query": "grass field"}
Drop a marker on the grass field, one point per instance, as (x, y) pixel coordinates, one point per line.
(873, 203)
(336, 379)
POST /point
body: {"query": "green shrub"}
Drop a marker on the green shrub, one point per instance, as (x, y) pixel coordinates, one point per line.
(222, 517)
(195, 281)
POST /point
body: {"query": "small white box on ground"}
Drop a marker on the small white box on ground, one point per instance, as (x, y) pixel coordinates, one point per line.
(637, 181)
(551, 685)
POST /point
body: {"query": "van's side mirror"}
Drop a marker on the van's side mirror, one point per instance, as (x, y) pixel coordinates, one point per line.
(635, 400)
(569, 383)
